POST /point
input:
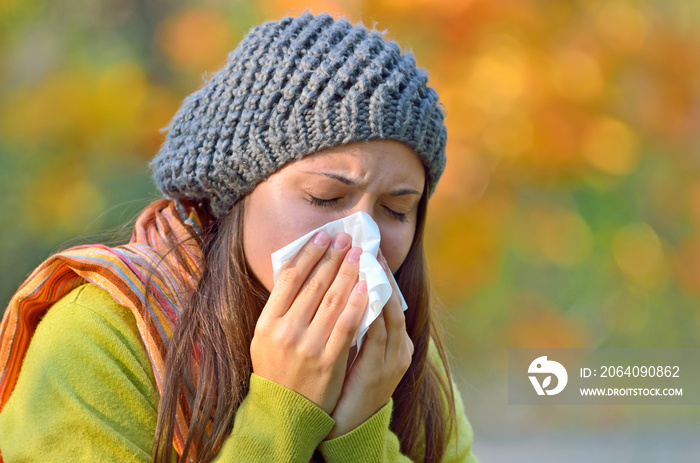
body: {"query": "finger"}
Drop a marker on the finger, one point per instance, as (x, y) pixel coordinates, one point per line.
(348, 321)
(372, 354)
(390, 276)
(394, 317)
(395, 334)
(393, 307)
(336, 298)
(377, 336)
(409, 345)
(294, 275)
(320, 279)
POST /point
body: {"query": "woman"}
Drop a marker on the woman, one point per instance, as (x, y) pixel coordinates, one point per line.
(180, 344)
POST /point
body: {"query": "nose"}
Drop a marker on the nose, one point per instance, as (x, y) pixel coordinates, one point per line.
(369, 206)
(365, 205)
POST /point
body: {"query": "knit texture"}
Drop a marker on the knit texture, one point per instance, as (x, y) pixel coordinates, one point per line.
(291, 88)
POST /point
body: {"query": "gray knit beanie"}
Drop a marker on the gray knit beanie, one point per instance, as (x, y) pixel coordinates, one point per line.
(291, 88)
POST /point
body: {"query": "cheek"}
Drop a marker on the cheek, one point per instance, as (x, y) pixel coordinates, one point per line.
(396, 242)
(269, 225)
(257, 245)
(262, 234)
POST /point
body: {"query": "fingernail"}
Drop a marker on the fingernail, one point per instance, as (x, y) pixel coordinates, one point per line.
(340, 241)
(362, 287)
(321, 238)
(353, 255)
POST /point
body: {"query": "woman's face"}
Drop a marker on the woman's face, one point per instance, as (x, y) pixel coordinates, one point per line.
(383, 178)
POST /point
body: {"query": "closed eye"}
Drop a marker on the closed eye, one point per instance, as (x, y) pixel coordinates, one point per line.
(322, 202)
(397, 215)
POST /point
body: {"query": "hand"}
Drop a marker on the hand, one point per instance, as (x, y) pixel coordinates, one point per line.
(304, 332)
(383, 360)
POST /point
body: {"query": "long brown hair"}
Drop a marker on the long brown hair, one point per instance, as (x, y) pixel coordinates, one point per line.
(208, 361)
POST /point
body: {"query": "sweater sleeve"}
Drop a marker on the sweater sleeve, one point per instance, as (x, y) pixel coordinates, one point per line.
(274, 423)
(373, 441)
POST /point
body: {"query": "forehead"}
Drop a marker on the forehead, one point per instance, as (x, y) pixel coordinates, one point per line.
(385, 158)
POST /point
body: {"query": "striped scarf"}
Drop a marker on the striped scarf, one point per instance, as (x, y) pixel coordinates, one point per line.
(124, 272)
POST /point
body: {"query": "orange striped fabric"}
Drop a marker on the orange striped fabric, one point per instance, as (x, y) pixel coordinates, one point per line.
(124, 272)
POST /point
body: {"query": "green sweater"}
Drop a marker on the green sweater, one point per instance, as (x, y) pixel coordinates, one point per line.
(86, 392)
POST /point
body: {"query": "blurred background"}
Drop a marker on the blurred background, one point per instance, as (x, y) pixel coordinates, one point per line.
(568, 215)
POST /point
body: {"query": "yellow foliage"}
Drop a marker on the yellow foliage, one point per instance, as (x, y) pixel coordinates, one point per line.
(73, 109)
(576, 75)
(464, 250)
(694, 202)
(626, 312)
(63, 200)
(279, 8)
(510, 136)
(639, 253)
(196, 39)
(610, 146)
(687, 266)
(622, 25)
(559, 236)
(120, 95)
(499, 76)
(538, 325)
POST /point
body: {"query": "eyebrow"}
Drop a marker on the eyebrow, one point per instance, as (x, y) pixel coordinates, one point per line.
(350, 182)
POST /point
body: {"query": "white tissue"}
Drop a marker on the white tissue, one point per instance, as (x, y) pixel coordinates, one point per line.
(365, 234)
